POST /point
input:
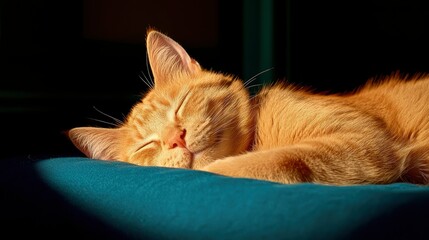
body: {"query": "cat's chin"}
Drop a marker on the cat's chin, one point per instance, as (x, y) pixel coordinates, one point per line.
(197, 158)
(200, 159)
(197, 155)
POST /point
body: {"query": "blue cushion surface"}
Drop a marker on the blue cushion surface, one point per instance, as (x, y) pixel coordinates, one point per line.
(167, 203)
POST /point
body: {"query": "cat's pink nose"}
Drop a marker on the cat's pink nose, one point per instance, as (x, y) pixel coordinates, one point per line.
(177, 139)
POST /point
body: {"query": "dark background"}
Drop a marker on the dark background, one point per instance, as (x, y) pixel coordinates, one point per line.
(60, 59)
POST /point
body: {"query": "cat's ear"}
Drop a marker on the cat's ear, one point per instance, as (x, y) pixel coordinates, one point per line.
(168, 59)
(96, 143)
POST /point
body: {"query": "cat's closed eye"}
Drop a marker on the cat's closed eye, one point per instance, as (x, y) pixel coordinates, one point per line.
(146, 145)
(181, 104)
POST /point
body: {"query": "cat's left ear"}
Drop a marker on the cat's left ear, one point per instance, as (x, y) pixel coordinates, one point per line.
(168, 59)
(97, 143)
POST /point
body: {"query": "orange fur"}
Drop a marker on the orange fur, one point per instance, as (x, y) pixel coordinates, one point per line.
(201, 119)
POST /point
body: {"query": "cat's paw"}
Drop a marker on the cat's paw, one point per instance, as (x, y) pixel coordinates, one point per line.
(232, 167)
(251, 166)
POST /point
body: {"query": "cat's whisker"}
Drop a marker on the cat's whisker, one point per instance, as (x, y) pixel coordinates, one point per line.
(254, 106)
(216, 116)
(107, 115)
(146, 81)
(148, 70)
(251, 98)
(105, 122)
(250, 80)
(222, 127)
(255, 85)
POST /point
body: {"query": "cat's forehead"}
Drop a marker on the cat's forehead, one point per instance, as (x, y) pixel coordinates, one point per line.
(159, 101)
(146, 118)
(155, 104)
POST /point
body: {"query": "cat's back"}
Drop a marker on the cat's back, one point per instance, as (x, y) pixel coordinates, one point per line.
(411, 94)
(287, 115)
(402, 103)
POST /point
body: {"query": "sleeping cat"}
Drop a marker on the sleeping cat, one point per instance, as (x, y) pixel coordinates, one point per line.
(200, 119)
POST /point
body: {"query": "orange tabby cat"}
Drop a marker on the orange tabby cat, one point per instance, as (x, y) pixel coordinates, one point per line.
(199, 119)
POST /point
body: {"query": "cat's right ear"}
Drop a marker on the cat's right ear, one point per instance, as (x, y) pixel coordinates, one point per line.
(168, 59)
(96, 143)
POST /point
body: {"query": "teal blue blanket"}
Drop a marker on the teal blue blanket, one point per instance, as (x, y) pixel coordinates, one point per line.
(164, 203)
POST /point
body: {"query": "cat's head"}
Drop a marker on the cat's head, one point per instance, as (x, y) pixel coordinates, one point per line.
(189, 118)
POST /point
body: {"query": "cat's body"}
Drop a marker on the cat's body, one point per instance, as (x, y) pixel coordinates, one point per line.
(199, 119)
(376, 135)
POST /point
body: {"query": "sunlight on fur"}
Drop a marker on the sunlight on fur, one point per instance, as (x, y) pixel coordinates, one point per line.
(200, 119)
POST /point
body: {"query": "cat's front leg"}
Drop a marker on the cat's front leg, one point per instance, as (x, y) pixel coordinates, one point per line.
(338, 160)
(271, 165)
